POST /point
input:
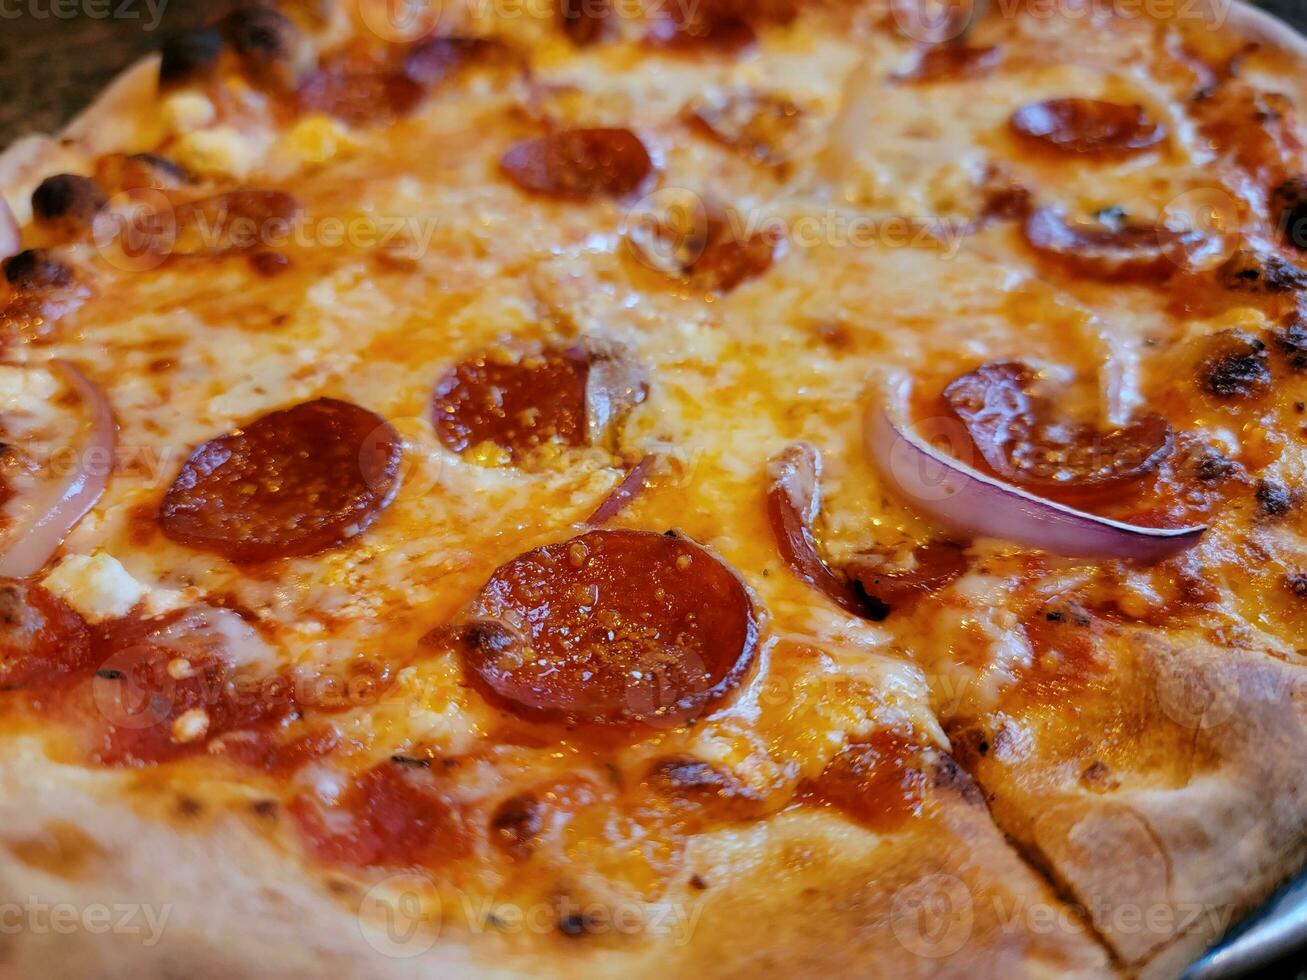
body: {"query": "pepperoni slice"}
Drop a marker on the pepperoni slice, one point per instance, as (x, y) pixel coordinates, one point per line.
(1019, 437)
(1120, 252)
(1088, 127)
(579, 164)
(614, 626)
(41, 637)
(360, 97)
(390, 815)
(564, 397)
(293, 482)
(166, 687)
(704, 247)
(879, 781)
(934, 566)
(793, 502)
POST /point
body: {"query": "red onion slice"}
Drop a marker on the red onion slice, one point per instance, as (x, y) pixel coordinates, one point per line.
(793, 501)
(966, 500)
(47, 521)
(11, 239)
(623, 493)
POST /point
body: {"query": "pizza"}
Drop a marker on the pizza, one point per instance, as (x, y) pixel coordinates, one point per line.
(794, 486)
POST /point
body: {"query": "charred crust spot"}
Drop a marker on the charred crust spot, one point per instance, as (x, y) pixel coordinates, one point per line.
(410, 760)
(260, 33)
(516, 824)
(189, 54)
(1275, 499)
(341, 886)
(35, 270)
(948, 775)
(1263, 273)
(1236, 367)
(488, 637)
(1289, 209)
(269, 264)
(267, 809)
(1214, 468)
(690, 777)
(1291, 341)
(1098, 777)
(68, 198)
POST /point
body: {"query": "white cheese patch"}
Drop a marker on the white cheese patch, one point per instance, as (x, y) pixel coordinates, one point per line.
(97, 586)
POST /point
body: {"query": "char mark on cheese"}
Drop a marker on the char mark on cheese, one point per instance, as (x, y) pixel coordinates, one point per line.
(1237, 366)
(68, 203)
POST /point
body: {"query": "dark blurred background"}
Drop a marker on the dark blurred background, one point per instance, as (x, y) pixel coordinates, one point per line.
(56, 54)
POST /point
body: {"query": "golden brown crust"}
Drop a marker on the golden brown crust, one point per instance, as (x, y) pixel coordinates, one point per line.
(1202, 816)
(209, 894)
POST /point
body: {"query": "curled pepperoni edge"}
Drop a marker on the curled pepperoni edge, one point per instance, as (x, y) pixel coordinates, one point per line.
(793, 502)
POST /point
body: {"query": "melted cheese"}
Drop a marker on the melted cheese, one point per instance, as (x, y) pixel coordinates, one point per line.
(445, 259)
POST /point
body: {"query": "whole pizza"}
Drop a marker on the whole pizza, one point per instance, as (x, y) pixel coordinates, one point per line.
(726, 488)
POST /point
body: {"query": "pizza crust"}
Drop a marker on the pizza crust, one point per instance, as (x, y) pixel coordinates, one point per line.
(1166, 853)
(791, 894)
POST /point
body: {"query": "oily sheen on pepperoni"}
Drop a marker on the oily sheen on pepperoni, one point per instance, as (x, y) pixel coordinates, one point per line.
(1021, 438)
(579, 164)
(1087, 127)
(611, 627)
(292, 482)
